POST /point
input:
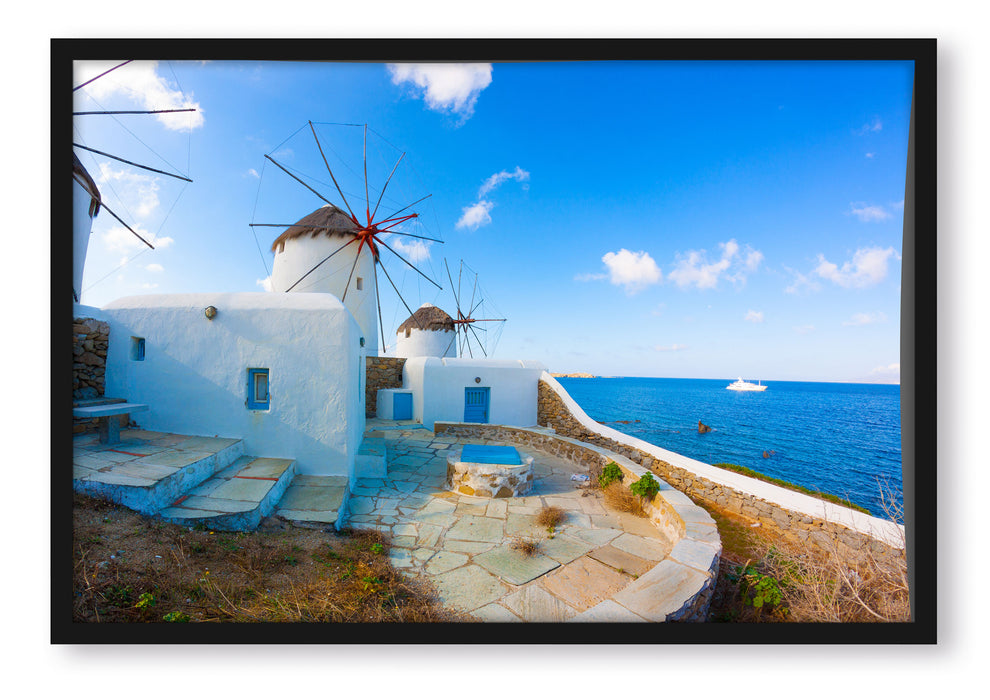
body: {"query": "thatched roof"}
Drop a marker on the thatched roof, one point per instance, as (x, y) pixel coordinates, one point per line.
(428, 317)
(87, 182)
(328, 220)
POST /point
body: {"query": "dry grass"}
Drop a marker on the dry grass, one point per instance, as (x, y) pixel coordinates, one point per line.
(619, 497)
(128, 568)
(526, 546)
(819, 581)
(550, 516)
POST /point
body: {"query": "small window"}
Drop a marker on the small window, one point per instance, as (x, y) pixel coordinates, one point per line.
(137, 349)
(360, 283)
(258, 396)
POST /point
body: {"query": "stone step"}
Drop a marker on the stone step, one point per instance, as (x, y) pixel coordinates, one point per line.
(237, 498)
(146, 471)
(371, 461)
(314, 501)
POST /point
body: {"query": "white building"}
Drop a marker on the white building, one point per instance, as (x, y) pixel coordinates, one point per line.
(85, 207)
(322, 253)
(429, 332)
(284, 372)
(472, 391)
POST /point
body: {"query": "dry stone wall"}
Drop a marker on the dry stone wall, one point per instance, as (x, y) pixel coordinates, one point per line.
(90, 340)
(796, 526)
(381, 373)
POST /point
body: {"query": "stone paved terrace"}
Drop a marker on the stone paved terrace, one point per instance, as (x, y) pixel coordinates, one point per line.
(464, 544)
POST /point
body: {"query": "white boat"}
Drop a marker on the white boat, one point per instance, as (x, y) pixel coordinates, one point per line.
(740, 385)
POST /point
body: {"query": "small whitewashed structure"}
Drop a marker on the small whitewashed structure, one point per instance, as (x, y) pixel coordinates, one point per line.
(285, 372)
(472, 391)
(318, 254)
(429, 332)
(85, 207)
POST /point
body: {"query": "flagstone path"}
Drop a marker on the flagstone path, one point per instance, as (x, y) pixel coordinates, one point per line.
(467, 546)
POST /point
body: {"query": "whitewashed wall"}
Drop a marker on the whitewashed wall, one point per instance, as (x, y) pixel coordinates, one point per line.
(82, 225)
(300, 255)
(194, 375)
(426, 343)
(438, 388)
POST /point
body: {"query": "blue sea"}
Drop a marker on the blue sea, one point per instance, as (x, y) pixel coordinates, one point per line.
(835, 438)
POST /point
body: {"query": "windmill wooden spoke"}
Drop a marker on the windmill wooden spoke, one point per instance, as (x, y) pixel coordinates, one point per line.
(105, 207)
(136, 165)
(481, 345)
(351, 275)
(367, 199)
(389, 278)
(409, 264)
(297, 179)
(320, 263)
(382, 193)
(134, 111)
(101, 75)
(341, 192)
(411, 205)
(412, 235)
(378, 298)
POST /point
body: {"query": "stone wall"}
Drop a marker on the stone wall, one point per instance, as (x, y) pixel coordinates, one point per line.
(381, 373)
(679, 588)
(789, 524)
(90, 340)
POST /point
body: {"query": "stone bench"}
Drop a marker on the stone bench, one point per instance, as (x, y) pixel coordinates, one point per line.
(109, 429)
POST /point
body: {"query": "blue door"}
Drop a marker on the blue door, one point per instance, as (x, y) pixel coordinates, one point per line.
(476, 404)
(402, 407)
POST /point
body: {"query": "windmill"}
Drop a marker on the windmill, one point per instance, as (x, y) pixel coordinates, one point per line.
(83, 178)
(470, 322)
(339, 248)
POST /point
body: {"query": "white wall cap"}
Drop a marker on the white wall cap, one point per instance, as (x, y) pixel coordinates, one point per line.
(231, 301)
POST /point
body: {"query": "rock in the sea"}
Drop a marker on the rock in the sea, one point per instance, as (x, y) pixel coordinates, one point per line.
(702, 428)
(766, 455)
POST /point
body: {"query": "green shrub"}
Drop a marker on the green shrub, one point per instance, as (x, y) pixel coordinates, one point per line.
(611, 472)
(647, 487)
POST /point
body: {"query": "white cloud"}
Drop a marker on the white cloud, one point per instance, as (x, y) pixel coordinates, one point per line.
(265, 283)
(804, 330)
(413, 250)
(252, 173)
(694, 268)
(140, 83)
(497, 179)
(139, 192)
(865, 319)
(801, 283)
(867, 268)
(476, 215)
(154, 267)
(875, 125)
(119, 239)
(446, 87)
(669, 348)
(870, 155)
(634, 271)
(754, 316)
(868, 212)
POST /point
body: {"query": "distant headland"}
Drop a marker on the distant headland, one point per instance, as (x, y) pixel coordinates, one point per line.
(575, 375)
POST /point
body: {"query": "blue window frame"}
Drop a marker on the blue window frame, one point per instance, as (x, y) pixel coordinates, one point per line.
(258, 393)
(137, 349)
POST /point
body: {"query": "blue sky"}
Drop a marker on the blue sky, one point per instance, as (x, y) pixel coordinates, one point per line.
(639, 219)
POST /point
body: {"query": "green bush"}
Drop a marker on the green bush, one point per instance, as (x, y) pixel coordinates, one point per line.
(647, 487)
(611, 472)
